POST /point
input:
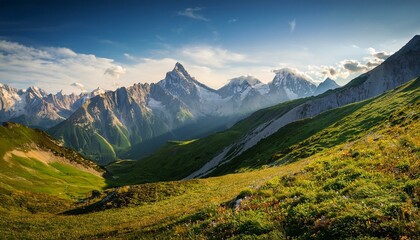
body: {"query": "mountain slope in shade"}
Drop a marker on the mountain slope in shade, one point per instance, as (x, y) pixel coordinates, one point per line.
(327, 84)
(32, 161)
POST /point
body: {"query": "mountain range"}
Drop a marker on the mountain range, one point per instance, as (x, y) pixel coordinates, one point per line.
(35, 107)
(226, 150)
(133, 122)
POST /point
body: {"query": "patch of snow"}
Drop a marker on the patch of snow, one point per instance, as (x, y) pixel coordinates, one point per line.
(154, 104)
(290, 94)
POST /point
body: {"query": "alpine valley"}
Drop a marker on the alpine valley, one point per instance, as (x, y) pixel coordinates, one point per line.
(176, 159)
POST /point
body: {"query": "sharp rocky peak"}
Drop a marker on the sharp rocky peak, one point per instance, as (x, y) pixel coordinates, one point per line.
(180, 71)
(287, 76)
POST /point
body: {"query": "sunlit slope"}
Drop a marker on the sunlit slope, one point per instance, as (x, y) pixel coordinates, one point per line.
(32, 161)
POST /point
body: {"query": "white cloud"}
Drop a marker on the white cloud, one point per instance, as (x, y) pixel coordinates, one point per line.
(349, 68)
(292, 25)
(192, 13)
(115, 71)
(211, 56)
(353, 66)
(233, 20)
(51, 68)
(381, 55)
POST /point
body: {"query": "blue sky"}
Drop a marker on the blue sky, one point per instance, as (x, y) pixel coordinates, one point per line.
(54, 44)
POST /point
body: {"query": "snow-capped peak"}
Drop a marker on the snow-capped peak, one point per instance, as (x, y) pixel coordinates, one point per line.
(243, 85)
(289, 73)
(294, 83)
(250, 80)
(177, 77)
(180, 71)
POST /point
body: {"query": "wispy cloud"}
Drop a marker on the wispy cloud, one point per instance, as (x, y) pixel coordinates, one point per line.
(129, 56)
(292, 25)
(233, 20)
(193, 13)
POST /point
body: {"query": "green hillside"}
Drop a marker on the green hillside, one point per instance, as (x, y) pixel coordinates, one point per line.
(366, 187)
(294, 141)
(32, 161)
(177, 159)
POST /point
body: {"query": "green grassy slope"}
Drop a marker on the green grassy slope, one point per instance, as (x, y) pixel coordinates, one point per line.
(66, 174)
(306, 137)
(367, 187)
(294, 141)
(176, 160)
